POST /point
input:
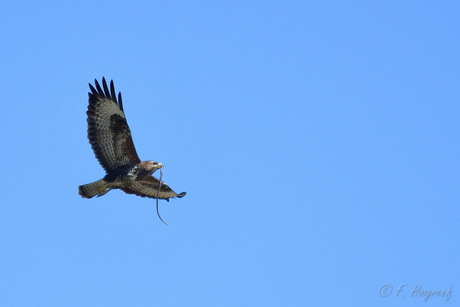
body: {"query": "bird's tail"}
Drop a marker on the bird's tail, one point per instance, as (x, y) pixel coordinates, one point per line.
(98, 188)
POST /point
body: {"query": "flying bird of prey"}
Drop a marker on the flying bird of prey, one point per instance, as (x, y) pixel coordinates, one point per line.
(112, 143)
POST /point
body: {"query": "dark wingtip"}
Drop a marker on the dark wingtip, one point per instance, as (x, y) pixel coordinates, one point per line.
(180, 195)
(105, 91)
(112, 91)
(93, 90)
(106, 88)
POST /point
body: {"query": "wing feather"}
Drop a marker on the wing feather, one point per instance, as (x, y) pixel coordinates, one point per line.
(148, 187)
(113, 93)
(108, 130)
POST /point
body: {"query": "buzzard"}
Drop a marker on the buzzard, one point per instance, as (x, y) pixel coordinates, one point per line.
(112, 143)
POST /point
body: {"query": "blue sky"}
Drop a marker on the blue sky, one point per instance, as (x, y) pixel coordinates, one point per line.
(317, 142)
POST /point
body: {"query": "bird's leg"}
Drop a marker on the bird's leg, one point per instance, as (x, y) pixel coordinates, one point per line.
(103, 190)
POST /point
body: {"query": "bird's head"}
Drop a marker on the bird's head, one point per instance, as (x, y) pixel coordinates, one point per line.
(153, 166)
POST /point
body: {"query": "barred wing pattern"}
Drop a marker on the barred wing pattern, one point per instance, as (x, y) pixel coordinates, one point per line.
(148, 187)
(108, 130)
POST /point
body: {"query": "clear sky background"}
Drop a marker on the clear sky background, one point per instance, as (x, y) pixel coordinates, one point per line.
(317, 141)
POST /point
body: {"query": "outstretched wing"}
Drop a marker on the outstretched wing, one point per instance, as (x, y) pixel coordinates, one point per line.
(108, 131)
(148, 187)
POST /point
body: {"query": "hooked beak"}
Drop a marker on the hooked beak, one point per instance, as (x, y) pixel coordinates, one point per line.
(160, 166)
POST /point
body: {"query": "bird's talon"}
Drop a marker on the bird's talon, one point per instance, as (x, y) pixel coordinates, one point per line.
(103, 191)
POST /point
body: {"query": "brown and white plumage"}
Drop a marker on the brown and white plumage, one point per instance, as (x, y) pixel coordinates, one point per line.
(112, 143)
(148, 187)
(108, 131)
